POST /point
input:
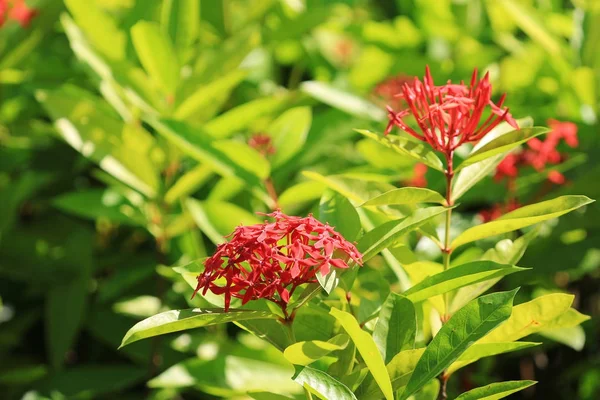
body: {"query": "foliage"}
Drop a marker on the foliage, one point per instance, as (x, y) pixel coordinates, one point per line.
(137, 134)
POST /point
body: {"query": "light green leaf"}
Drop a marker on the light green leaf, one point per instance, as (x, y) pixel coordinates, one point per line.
(481, 350)
(100, 28)
(572, 336)
(347, 102)
(354, 189)
(193, 106)
(457, 277)
(495, 391)
(179, 320)
(469, 324)
(416, 149)
(406, 195)
(531, 317)
(156, 54)
(367, 349)
(100, 203)
(323, 385)
(304, 353)
(92, 128)
(522, 217)
(396, 327)
(181, 20)
(289, 133)
(385, 235)
(505, 252)
(300, 193)
(502, 144)
(245, 164)
(241, 117)
(187, 184)
(472, 174)
(400, 370)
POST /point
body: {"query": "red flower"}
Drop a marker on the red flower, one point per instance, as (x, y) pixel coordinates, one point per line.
(418, 179)
(451, 114)
(16, 10)
(270, 260)
(498, 210)
(389, 89)
(564, 130)
(508, 167)
(262, 143)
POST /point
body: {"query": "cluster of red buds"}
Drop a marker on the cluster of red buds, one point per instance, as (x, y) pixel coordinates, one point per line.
(449, 115)
(418, 179)
(262, 143)
(16, 10)
(537, 154)
(270, 260)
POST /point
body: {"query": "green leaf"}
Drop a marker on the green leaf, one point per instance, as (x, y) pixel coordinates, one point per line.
(367, 349)
(468, 325)
(472, 174)
(91, 127)
(338, 212)
(522, 217)
(156, 54)
(205, 95)
(457, 277)
(385, 235)
(502, 144)
(187, 184)
(304, 353)
(241, 117)
(226, 160)
(406, 195)
(495, 391)
(400, 370)
(572, 336)
(396, 327)
(179, 320)
(416, 149)
(531, 317)
(100, 28)
(289, 133)
(100, 203)
(481, 350)
(323, 385)
(505, 252)
(347, 102)
(181, 20)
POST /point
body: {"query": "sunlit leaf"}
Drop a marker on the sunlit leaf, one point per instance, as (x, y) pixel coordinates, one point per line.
(396, 327)
(495, 391)
(406, 195)
(324, 385)
(481, 350)
(305, 353)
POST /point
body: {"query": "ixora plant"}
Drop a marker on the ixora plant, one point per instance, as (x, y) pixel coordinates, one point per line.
(361, 343)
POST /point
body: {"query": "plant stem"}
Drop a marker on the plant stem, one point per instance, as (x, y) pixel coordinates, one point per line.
(443, 383)
(272, 192)
(446, 250)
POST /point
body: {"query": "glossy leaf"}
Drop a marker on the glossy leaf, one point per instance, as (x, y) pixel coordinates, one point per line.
(385, 235)
(289, 132)
(156, 54)
(368, 350)
(531, 317)
(204, 96)
(179, 320)
(342, 100)
(457, 277)
(495, 391)
(305, 353)
(481, 350)
(572, 336)
(502, 144)
(323, 384)
(418, 150)
(469, 176)
(396, 327)
(406, 195)
(400, 370)
(521, 218)
(469, 324)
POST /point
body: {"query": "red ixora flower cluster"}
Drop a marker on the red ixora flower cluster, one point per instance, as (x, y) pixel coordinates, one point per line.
(16, 10)
(451, 114)
(388, 89)
(539, 154)
(270, 260)
(262, 143)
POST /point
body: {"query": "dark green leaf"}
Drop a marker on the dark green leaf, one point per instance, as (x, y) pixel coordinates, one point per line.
(495, 391)
(396, 327)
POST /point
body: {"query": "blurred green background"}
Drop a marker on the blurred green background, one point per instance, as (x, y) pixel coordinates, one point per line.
(124, 131)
